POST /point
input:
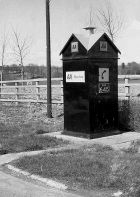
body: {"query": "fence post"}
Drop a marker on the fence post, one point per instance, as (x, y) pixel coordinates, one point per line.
(129, 118)
(127, 88)
(37, 90)
(61, 82)
(17, 91)
(0, 89)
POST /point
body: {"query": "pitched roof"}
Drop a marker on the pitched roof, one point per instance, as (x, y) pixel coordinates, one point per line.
(112, 43)
(82, 39)
(88, 42)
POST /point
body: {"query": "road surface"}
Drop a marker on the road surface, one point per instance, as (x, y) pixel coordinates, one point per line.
(11, 186)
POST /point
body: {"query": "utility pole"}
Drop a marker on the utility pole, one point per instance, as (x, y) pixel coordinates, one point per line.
(48, 60)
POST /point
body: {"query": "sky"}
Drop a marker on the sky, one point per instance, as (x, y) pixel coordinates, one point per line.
(27, 17)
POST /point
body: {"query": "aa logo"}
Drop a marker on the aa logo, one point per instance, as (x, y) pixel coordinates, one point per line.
(69, 76)
(103, 46)
(74, 47)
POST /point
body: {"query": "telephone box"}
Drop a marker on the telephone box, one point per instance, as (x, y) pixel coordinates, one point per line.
(90, 85)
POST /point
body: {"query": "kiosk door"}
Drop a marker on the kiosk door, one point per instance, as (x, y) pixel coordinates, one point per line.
(104, 117)
(103, 105)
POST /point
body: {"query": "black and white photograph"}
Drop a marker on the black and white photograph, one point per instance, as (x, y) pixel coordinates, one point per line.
(69, 98)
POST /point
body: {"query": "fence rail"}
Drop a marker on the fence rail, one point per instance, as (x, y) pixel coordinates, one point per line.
(35, 90)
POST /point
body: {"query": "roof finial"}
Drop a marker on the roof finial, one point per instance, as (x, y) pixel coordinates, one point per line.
(90, 27)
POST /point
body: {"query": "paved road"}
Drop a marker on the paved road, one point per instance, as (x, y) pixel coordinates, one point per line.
(11, 186)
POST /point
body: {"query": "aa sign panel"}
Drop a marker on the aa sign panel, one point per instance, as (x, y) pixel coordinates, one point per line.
(74, 47)
(75, 76)
(104, 74)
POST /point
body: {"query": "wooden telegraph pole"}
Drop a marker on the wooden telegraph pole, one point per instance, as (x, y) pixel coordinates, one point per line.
(48, 60)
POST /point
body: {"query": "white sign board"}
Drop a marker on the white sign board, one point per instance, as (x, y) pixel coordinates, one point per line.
(104, 74)
(75, 76)
(74, 47)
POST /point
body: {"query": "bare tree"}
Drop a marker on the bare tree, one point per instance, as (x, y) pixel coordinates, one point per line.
(2, 57)
(20, 49)
(3, 51)
(111, 20)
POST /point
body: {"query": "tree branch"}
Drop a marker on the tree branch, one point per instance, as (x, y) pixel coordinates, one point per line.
(20, 49)
(111, 21)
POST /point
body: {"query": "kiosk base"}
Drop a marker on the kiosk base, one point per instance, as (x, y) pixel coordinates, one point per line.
(92, 135)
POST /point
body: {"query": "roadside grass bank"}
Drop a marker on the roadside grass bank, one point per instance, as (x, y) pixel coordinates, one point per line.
(30, 118)
(20, 125)
(89, 168)
(83, 168)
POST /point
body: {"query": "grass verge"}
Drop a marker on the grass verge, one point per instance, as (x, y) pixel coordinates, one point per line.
(83, 168)
(20, 126)
(30, 118)
(29, 143)
(94, 167)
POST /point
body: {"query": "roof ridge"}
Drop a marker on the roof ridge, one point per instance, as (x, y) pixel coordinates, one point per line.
(89, 41)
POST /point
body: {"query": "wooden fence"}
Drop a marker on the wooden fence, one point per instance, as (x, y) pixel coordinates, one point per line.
(35, 90)
(128, 86)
